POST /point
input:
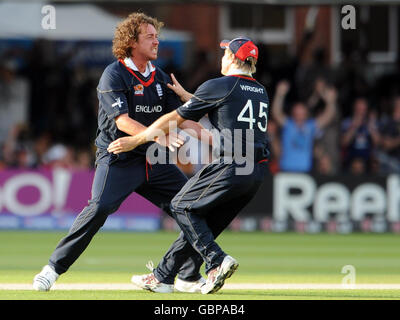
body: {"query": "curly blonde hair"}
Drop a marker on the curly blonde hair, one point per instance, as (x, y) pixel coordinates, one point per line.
(248, 66)
(128, 30)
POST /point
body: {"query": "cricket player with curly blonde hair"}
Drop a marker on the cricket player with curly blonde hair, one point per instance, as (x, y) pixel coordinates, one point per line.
(132, 94)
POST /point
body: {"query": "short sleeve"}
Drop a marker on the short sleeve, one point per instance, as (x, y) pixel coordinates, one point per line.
(206, 97)
(111, 94)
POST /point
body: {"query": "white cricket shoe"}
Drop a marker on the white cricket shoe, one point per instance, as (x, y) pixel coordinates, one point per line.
(189, 286)
(150, 282)
(45, 279)
(216, 277)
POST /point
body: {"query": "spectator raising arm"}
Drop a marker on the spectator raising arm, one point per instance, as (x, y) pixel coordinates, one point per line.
(277, 105)
(326, 117)
(351, 131)
(373, 128)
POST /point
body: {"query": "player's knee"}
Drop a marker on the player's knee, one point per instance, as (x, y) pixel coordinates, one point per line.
(174, 208)
(105, 208)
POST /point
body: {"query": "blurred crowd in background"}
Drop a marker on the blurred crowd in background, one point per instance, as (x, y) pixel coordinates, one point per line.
(323, 119)
(48, 109)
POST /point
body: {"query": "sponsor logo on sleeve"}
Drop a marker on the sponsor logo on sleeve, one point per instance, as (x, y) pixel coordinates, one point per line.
(117, 102)
(186, 105)
(138, 90)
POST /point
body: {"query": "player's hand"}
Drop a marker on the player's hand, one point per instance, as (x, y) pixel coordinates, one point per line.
(123, 144)
(179, 90)
(172, 140)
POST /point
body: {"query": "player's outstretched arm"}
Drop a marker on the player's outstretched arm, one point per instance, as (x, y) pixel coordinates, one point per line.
(196, 130)
(179, 90)
(129, 125)
(133, 127)
(158, 130)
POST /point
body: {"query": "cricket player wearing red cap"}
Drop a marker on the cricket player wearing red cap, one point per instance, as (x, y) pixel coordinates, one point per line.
(210, 200)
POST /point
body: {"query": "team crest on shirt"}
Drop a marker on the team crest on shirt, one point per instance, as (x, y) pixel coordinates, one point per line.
(159, 90)
(138, 89)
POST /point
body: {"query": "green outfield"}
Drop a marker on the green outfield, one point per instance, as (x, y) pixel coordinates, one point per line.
(264, 258)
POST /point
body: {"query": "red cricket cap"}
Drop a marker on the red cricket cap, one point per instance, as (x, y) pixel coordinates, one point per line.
(241, 47)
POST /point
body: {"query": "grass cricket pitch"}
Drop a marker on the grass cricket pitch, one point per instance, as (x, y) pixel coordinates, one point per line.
(272, 266)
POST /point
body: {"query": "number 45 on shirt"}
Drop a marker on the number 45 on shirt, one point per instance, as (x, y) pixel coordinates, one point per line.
(250, 119)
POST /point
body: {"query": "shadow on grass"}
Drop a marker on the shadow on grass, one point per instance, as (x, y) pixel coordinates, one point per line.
(307, 294)
(222, 295)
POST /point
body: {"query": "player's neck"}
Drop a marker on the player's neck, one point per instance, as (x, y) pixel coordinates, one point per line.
(236, 71)
(140, 64)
